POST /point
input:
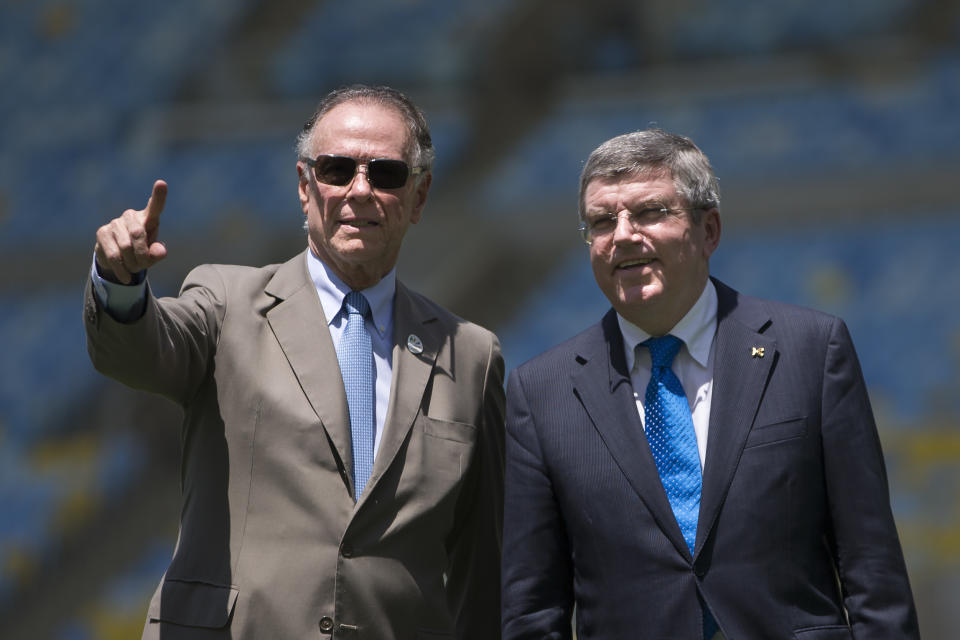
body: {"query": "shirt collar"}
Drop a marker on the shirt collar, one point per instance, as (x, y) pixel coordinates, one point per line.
(696, 329)
(332, 290)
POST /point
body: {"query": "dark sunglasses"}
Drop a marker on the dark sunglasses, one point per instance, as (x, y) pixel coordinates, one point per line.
(382, 173)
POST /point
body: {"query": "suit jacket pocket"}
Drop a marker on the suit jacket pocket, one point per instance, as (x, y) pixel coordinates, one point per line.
(833, 632)
(449, 430)
(776, 432)
(194, 604)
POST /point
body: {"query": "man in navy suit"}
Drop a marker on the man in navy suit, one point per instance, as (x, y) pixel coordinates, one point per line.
(783, 527)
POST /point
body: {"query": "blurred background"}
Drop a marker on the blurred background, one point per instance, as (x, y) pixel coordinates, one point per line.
(834, 129)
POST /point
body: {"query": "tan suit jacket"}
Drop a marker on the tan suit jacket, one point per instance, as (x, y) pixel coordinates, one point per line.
(271, 543)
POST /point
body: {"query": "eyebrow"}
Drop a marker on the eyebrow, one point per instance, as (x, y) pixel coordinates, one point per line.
(652, 203)
(595, 213)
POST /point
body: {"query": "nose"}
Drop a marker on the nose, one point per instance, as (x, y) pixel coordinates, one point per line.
(360, 185)
(625, 231)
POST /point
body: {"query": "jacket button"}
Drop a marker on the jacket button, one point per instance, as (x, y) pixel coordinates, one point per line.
(346, 551)
(326, 624)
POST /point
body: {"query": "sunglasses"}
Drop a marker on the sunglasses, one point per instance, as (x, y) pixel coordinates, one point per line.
(382, 173)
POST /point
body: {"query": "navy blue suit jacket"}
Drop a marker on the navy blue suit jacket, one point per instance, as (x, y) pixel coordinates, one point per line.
(795, 538)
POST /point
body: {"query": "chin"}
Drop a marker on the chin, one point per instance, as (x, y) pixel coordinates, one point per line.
(639, 294)
(358, 249)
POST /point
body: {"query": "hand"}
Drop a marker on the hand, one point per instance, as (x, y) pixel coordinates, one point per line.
(128, 244)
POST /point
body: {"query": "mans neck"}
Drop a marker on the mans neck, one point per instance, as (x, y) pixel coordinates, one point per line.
(659, 319)
(357, 277)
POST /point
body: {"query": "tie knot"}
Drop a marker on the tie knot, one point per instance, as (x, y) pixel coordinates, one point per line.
(663, 350)
(355, 302)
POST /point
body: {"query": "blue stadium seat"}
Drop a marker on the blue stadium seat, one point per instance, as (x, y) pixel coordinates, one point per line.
(45, 368)
(756, 27)
(776, 133)
(418, 42)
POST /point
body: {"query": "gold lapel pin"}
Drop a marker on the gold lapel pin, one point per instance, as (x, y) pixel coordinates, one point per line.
(756, 352)
(414, 344)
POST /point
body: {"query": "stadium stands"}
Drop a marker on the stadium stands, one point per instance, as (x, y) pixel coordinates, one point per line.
(419, 42)
(77, 75)
(810, 127)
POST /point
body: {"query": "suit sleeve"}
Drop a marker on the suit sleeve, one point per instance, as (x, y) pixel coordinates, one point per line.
(537, 571)
(169, 348)
(474, 546)
(872, 572)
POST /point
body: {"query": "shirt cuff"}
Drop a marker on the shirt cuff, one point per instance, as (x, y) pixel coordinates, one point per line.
(122, 302)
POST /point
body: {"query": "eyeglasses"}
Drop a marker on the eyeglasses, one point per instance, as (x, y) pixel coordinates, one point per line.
(601, 225)
(382, 173)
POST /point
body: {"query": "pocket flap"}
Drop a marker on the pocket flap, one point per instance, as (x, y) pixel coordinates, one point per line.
(769, 433)
(831, 632)
(194, 604)
(448, 429)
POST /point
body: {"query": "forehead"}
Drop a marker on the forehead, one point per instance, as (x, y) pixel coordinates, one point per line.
(617, 193)
(361, 130)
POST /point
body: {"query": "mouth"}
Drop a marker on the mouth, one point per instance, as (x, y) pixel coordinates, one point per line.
(628, 265)
(358, 223)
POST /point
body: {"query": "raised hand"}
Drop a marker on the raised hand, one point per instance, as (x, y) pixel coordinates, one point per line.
(128, 244)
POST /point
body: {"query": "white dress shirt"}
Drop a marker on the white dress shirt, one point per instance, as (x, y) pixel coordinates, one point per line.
(693, 364)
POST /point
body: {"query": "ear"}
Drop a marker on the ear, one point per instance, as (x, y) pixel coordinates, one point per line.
(711, 228)
(420, 197)
(303, 188)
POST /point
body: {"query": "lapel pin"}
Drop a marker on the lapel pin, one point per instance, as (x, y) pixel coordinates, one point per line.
(756, 352)
(414, 344)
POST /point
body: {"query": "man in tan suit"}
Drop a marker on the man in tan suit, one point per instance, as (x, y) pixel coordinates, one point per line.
(284, 532)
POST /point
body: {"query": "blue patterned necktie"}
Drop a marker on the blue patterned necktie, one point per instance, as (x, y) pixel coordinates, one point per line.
(673, 442)
(355, 355)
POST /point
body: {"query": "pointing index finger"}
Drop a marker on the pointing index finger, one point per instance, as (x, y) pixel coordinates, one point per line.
(155, 204)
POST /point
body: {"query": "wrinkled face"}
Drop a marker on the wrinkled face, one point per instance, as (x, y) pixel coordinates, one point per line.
(653, 274)
(357, 229)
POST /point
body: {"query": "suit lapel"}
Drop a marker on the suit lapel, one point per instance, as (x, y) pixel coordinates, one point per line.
(411, 373)
(299, 326)
(603, 384)
(739, 378)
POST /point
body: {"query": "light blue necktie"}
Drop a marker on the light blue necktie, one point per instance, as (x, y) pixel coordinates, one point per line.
(673, 442)
(355, 355)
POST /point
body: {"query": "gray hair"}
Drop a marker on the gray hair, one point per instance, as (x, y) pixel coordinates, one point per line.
(421, 152)
(655, 152)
